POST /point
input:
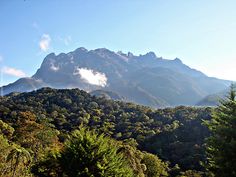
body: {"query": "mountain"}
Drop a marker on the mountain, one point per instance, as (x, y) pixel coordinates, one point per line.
(213, 99)
(144, 79)
(107, 95)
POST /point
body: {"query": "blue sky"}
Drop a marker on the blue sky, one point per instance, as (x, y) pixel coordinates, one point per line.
(202, 33)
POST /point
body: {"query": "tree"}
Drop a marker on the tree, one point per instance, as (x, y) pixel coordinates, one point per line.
(221, 145)
(6, 129)
(134, 158)
(5, 147)
(155, 167)
(87, 154)
(38, 137)
(18, 156)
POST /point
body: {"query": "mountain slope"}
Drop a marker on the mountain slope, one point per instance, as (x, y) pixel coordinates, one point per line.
(213, 99)
(107, 95)
(144, 79)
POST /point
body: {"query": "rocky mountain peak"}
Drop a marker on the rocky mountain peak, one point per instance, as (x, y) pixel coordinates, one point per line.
(150, 55)
(177, 60)
(81, 49)
(144, 79)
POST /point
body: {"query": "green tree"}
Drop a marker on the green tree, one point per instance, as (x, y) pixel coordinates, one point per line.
(134, 158)
(6, 129)
(5, 147)
(221, 145)
(19, 159)
(155, 167)
(38, 137)
(87, 154)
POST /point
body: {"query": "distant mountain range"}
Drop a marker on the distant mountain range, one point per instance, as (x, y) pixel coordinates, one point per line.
(144, 79)
(213, 99)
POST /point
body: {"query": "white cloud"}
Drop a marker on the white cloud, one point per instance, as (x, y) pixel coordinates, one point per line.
(92, 77)
(13, 72)
(44, 43)
(54, 68)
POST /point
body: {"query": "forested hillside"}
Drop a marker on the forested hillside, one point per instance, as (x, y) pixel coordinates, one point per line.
(38, 130)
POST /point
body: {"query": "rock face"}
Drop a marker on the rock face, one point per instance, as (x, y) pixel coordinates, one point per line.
(144, 79)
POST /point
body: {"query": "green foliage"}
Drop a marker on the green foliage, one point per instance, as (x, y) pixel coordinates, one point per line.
(49, 166)
(6, 129)
(18, 156)
(14, 160)
(134, 158)
(155, 167)
(39, 137)
(181, 142)
(191, 173)
(41, 121)
(221, 145)
(5, 148)
(89, 154)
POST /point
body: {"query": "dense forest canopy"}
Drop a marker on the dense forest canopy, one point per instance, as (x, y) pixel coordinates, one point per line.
(41, 122)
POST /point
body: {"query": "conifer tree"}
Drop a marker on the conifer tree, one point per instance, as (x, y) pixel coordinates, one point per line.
(89, 154)
(221, 145)
(86, 154)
